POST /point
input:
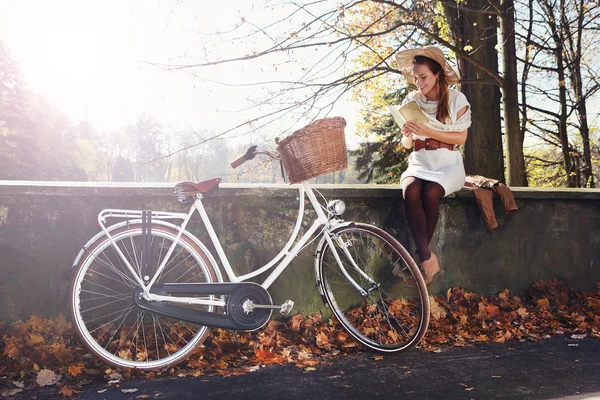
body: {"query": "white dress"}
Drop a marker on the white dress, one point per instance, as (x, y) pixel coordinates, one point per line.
(442, 165)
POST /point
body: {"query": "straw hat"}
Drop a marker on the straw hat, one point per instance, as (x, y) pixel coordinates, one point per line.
(405, 62)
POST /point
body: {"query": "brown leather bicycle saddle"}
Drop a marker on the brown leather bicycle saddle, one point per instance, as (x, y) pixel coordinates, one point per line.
(191, 188)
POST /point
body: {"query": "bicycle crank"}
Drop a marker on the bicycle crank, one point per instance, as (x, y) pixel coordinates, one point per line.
(284, 309)
(234, 316)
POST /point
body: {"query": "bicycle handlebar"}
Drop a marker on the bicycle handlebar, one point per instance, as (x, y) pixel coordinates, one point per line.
(245, 157)
(238, 161)
(249, 155)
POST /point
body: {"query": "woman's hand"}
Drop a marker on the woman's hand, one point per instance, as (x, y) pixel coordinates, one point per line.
(406, 132)
(413, 127)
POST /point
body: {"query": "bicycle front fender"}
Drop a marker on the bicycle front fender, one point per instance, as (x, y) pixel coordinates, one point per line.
(317, 256)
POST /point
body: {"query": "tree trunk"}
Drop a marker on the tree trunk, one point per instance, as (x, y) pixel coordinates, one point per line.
(562, 122)
(575, 47)
(562, 94)
(483, 149)
(514, 136)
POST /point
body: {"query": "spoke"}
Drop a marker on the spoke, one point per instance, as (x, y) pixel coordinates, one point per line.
(144, 336)
(162, 246)
(103, 287)
(108, 315)
(386, 312)
(155, 337)
(102, 296)
(121, 341)
(192, 278)
(121, 313)
(114, 279)
(123, 266)
(374, 317)
(101, 305)
(173, 257)
(162, 333)
(400, 324)
(110, 265)
(177, 333)
(137, 264)
(137, 335)
(118, 327)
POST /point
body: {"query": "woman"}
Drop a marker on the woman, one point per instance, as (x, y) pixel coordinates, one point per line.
(435, 167)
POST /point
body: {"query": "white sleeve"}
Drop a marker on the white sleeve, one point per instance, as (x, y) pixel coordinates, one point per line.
(459, 102)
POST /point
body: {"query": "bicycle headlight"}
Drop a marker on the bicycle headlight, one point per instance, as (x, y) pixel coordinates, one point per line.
(336, 207)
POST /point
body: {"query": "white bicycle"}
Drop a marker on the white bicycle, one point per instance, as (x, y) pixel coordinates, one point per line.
(145, 291)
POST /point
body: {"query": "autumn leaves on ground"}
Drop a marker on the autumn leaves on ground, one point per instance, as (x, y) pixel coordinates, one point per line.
(45, 352)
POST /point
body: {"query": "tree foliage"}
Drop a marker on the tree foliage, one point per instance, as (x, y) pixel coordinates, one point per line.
(560, 77)
(36, 140)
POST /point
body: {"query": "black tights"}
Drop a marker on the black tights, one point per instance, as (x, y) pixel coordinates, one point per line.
(421, 202)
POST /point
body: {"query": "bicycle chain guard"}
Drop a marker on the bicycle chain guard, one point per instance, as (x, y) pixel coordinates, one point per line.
(235, 318)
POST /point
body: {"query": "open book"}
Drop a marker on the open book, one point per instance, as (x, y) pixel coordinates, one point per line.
(408, 112)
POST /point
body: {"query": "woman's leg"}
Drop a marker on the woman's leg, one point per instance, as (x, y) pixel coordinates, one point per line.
(415, 214)
(432, 192)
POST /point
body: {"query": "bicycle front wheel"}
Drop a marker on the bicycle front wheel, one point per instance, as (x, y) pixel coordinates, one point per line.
(390, 311)
(105, 317)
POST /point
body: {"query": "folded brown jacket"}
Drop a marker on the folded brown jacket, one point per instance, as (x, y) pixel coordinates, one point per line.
(483, 188)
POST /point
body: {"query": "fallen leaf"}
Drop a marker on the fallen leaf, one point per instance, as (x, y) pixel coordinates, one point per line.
(12, 347)
(129, 390)
(578, 336)
(437, 312)
(378, 358)
(36, 322)
(67, 391)
(47, 378)
(75, 370)
(35, 339)
(115, 375)
(491, 311)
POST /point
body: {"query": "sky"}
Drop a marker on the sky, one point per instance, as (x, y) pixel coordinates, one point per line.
(94, 61)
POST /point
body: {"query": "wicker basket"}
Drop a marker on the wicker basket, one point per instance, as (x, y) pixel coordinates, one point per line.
(314, 150)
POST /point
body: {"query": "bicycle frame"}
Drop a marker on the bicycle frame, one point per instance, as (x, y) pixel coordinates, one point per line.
(282, 260)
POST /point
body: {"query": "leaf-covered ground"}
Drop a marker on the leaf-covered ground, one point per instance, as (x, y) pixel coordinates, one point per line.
(46, 352)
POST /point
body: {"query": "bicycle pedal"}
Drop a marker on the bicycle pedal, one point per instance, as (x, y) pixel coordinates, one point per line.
(286, 307)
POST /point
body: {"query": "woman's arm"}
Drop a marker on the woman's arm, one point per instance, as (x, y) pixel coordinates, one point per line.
(458, 138)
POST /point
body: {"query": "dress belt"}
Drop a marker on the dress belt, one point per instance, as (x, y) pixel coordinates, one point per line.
(432, 144)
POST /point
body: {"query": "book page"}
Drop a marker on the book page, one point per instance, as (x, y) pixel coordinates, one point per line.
(397, 116)
(412, 112)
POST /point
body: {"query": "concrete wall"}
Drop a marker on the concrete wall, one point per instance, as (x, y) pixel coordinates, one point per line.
(556, 233)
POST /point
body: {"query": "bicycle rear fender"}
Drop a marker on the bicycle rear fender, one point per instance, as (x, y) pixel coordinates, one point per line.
(154, 222)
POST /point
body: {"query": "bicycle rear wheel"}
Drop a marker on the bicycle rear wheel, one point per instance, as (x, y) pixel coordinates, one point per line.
(105, 316)
(393, 315)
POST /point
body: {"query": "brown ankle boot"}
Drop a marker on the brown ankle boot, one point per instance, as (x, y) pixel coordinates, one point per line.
(429, 268)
